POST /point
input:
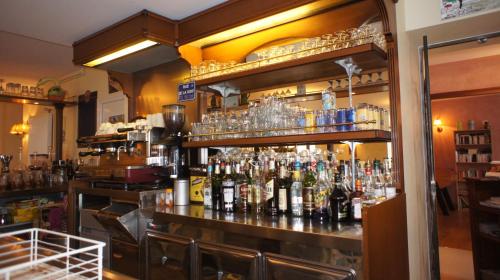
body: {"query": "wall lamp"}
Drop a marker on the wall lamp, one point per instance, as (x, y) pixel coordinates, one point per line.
(439, 125)
(20, 129)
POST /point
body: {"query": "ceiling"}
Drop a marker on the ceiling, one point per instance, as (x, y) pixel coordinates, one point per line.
(64, 22)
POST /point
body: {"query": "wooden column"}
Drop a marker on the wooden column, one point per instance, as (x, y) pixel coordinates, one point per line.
(59, 130)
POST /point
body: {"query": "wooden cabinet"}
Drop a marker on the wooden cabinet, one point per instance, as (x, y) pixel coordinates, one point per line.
(168, 255)
(485, 227)
(218, 261)
(278, 267)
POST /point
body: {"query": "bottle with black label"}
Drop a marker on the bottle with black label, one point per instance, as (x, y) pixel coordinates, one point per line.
(227, 191)
(272, 196)
(339, 203)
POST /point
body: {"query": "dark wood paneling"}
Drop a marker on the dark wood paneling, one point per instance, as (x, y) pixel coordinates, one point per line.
(124, 33)
(367, 56)
(385, 241)
(465, 93)
(330, 21)
(231, 14)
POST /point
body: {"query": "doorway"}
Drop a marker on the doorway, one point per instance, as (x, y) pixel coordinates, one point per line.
(461, 101)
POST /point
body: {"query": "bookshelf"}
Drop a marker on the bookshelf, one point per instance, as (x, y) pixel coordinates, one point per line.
(472, 159)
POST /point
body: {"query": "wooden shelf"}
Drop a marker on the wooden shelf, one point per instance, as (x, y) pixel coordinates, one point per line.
(473, 163)
(367, 56)
(316, 138)
(489, 237)
(488, 209)
(33, 192)
(33, 101)
(473, 146)
(475, 131)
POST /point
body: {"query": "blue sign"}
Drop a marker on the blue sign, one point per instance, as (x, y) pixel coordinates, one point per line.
(187, 91)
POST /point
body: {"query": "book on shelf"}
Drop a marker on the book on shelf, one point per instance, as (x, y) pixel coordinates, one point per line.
(464, 139)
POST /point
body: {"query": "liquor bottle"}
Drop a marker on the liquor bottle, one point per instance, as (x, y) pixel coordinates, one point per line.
(228, 187)
(357, 202)
(257, 190)
(207, 188)
(321, 194)
(390, 188)
(242, 187)
(271, 186)
(250, 187)
(216, 188)
(378, 184)
(284, 203)
(296, 191)
(308, 191)
(339, 203)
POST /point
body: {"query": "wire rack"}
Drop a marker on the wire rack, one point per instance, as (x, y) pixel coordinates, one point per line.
(37, 254)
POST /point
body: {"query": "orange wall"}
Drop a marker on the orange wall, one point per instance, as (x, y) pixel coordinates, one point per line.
(462, 109)
(457, 76)
(464, 75)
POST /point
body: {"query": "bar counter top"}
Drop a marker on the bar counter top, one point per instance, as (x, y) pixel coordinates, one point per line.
(284, 228)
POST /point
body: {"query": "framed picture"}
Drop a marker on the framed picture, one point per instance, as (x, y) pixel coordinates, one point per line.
(113, 111)
(457, 8)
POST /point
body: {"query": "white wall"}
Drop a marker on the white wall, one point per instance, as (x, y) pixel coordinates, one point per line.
(415, 19)
(420, 14)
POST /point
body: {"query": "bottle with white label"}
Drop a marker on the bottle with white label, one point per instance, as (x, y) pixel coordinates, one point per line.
(284, 201)
(207, 188)
(357, 202)
(271, 188)
(228, 186)
(296, 192)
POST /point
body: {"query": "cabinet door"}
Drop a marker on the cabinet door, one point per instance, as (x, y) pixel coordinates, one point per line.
(125, 258)
(168, 256)
(278, 267)
(220, 262)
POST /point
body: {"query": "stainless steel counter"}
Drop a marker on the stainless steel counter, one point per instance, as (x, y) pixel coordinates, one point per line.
(347, 236)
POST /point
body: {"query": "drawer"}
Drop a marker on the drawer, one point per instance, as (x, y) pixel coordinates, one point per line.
(168, 255)
(217, 261)
(277, 267)
(125, 258)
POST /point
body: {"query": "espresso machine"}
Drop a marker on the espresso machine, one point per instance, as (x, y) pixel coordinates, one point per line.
(138, 154)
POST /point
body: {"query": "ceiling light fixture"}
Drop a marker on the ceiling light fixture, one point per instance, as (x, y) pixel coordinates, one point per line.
(120, 53)
(138, 32)
(267, 22)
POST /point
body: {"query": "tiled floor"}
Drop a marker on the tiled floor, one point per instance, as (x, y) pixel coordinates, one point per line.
(455, 247)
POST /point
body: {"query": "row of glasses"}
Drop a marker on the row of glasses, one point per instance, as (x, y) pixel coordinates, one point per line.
(328, 42)
(16, 89)
(271, 115)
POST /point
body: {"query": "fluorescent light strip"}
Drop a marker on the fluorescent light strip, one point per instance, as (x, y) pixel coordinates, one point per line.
(123, 52)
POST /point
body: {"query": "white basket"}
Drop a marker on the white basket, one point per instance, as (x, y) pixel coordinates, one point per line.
(44, 254)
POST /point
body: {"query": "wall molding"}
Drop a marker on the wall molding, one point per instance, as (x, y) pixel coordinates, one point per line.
(465, 93)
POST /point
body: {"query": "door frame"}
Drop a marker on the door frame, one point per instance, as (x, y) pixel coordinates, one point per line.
(425, 101)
